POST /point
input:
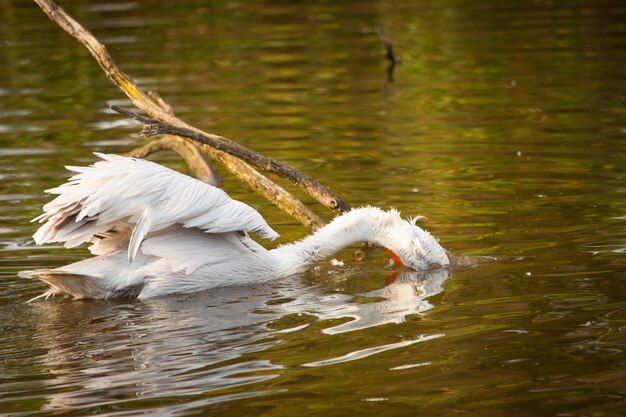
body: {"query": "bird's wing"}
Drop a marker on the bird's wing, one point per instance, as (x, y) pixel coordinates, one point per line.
(186, 250)
(119, 191)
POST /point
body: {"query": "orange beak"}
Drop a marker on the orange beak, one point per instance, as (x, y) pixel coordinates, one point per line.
(393, 256)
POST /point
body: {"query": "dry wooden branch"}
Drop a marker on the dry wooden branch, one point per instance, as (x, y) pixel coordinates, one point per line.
(153, 127)
(160, 110)
(99, 52)
(195, 159)
(153, 103)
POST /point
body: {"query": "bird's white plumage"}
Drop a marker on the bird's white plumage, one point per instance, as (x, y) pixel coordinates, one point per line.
(156, 232)
(143, 194)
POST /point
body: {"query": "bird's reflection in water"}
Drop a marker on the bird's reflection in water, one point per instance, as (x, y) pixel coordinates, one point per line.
(405, 294)
(119, 351)
(108, 352)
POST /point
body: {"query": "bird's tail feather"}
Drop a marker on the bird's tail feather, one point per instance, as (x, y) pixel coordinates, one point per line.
(64, 283)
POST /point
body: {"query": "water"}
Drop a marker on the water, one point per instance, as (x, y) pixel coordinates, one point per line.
(505, 126)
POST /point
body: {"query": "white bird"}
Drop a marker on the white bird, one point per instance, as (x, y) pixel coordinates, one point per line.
(155, 231)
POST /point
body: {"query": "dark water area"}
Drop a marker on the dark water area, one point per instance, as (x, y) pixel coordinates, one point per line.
(505, 126)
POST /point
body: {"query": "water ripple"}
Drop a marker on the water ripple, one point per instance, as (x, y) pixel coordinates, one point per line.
(363, 353)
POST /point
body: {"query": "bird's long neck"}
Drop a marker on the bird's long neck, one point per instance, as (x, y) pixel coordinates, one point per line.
(356, 226)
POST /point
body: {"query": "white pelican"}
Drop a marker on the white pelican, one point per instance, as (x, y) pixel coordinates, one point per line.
(155, 231)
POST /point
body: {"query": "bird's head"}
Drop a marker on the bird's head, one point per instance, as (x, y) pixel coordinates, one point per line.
(412, 246)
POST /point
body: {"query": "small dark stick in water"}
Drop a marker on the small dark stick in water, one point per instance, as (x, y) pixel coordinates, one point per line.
(391, 57)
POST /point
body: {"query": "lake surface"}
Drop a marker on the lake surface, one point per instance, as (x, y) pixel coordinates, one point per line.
(505, 126)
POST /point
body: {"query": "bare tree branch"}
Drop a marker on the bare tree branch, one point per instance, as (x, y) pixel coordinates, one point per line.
(161, 111)
(153, 127)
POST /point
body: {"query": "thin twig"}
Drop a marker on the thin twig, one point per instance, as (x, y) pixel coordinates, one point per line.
(391, 57)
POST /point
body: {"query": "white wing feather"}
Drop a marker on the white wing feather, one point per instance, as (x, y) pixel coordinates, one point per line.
(150, 197)
(139, 232)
